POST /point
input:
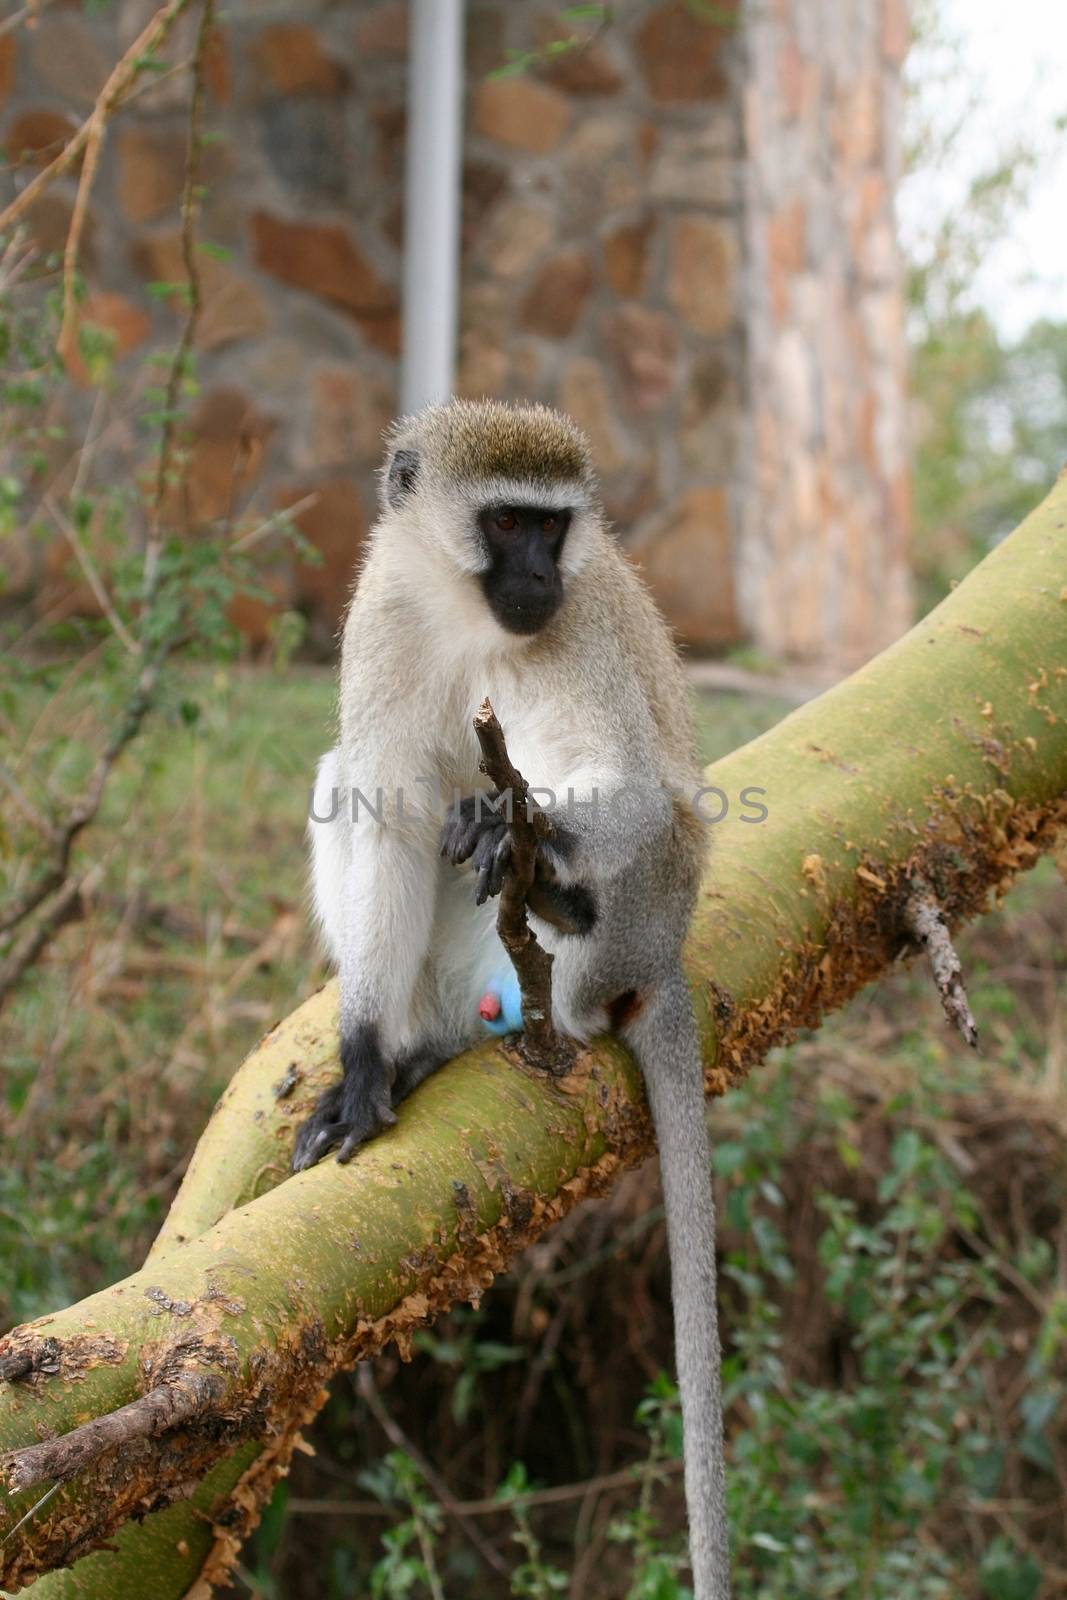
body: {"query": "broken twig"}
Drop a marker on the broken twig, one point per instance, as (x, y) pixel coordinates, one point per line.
(541, 1044)
(26, 1361)
(926, 923)
(153, 1413)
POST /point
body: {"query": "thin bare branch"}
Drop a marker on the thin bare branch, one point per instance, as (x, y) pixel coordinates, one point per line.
(22, 15)
(269, 524)
(25, 805)
(32, 1512)
(92, 576)
(121, 79)
(17, 255)
(558, 1494)
(399, 1440)
(55, 875)
(64, 907)
(67, 339)
(88, 446)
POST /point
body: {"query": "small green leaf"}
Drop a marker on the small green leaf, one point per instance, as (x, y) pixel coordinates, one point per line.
(161, 290)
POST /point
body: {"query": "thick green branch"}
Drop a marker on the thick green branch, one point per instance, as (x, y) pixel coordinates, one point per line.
(942, 762)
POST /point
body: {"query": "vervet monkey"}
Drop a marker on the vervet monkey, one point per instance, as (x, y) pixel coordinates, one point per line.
(491, 572)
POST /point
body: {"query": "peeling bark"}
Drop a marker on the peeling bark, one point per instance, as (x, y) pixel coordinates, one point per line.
(944, 760)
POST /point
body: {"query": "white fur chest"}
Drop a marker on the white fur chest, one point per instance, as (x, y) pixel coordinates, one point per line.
(538, 745)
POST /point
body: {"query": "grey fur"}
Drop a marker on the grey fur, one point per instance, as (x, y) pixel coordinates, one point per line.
(596, 702)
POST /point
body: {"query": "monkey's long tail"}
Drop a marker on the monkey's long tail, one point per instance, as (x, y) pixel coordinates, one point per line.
(664, 1039)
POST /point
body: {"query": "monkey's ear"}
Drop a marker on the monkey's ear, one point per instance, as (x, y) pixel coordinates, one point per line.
(402, 477)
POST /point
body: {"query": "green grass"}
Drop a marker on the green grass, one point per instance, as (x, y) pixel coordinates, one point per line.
(116, 1047)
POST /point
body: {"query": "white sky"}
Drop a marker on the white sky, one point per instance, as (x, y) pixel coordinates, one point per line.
(1012, 64)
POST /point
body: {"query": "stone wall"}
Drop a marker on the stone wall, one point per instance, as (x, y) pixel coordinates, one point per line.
(681, 233)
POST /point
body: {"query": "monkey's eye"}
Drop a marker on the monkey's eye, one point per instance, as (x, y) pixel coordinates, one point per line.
(506, 521)
(550, 525)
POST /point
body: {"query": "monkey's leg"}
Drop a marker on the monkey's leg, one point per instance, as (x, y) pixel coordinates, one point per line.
(415, 1067)
(570, 907)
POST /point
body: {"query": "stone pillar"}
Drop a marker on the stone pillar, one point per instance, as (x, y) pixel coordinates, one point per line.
(824, 475)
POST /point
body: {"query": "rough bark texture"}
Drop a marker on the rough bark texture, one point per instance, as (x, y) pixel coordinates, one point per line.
(945, 759)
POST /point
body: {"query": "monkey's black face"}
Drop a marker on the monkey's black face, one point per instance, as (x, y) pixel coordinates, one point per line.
(523, 586)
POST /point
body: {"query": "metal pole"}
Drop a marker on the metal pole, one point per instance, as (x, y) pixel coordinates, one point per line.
(432, 203)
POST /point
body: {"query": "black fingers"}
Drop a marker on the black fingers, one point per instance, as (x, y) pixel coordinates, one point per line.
(458, 836)
(464, 826)
(490, 860)
(500, 864)
(475, 832)
(320, 1132)
(353, 1110)
(467, 825)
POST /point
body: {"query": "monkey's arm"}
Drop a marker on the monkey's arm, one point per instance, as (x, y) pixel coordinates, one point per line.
(601, 819)
(388, 898)
(384, 882)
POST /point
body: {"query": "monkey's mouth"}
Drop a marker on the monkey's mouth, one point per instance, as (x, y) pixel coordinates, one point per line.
(524, 616)
(521, 610)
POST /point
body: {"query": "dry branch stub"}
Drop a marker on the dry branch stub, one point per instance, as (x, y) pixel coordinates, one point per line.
(925, 920)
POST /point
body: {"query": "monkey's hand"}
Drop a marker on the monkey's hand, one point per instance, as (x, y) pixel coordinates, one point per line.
(474, 832)
(354, 1110)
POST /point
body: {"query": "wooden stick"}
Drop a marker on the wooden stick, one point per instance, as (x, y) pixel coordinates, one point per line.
(540, 1044)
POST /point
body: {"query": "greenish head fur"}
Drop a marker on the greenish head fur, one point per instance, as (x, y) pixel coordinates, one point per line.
(477, 440)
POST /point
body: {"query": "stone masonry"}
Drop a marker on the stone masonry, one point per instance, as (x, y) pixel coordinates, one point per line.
(681, 233)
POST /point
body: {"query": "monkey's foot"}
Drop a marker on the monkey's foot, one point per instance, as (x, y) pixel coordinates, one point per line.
(340, 1120)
